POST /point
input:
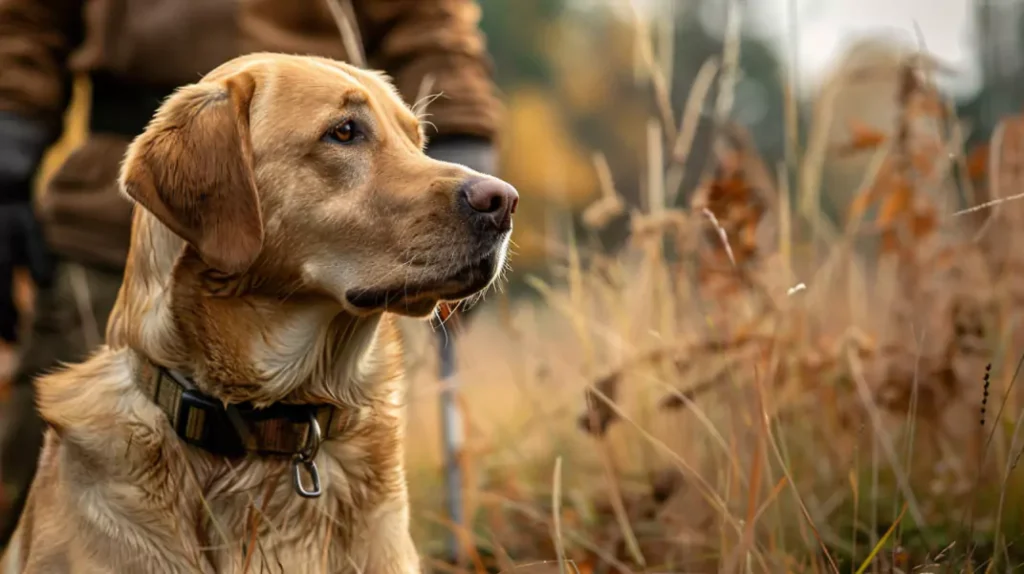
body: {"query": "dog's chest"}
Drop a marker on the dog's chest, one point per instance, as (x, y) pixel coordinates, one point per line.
(302, 537)
(261, 524)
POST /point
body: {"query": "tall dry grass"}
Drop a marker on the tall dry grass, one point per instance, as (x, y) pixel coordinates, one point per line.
(748, 386)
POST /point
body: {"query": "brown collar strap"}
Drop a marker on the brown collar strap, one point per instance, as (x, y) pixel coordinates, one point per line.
(235, 430)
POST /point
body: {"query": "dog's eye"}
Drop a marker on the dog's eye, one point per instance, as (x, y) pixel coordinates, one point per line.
(345, 133)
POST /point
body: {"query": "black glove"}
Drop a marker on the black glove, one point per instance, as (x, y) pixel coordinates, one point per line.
(477, 154)
(22, 143)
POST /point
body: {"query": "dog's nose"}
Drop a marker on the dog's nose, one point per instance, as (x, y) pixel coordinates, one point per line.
(493, 199)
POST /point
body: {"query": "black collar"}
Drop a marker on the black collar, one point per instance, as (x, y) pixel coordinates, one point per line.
(235, 430)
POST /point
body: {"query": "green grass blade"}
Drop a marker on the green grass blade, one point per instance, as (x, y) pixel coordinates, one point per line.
(878, 547)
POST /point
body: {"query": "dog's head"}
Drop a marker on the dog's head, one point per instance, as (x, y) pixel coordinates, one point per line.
(307, 174)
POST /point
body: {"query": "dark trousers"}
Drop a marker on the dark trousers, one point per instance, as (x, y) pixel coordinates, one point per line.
(69, 321)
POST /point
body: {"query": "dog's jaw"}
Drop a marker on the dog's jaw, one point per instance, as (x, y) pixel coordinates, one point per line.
(417, 295)
(318, 353)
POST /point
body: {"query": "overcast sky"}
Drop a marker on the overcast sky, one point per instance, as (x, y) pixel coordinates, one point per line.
(826, 27)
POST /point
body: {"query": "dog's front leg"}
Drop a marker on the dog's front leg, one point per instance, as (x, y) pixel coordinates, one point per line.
(390, 549)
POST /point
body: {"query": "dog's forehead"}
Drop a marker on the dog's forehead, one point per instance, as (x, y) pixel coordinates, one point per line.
(294, 84)
(377, 85)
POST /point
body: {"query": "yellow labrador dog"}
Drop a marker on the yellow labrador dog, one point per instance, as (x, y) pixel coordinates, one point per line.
(246, 412)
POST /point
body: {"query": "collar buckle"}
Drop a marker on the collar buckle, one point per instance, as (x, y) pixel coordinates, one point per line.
(305, 460)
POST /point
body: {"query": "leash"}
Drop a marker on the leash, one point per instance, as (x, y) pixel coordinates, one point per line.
(451, 427)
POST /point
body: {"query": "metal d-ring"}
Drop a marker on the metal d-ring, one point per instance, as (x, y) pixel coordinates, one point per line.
(305, 459)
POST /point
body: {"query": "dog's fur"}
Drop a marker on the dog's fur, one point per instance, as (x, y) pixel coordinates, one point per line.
(263, 257)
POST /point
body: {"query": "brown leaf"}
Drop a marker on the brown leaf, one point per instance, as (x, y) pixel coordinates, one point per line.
(665, 483)
(977, 162)
(924, 224)
(896, 203)
(863, 137)
(866, 198)
(890, 241)
(598, 415)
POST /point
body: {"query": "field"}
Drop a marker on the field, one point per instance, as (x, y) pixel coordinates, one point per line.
(747, 386)
(857, 414)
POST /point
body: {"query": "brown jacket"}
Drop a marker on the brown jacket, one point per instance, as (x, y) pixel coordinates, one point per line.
(167, 43)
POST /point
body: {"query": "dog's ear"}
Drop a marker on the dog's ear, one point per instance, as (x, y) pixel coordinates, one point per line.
(192, 169)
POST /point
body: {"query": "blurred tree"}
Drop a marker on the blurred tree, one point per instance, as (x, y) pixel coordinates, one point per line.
(1000, 36)
(1000, 26)
(759, 96)
(574, 86)
(516, 31)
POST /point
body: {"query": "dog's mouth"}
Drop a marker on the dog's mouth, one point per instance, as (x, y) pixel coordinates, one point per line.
(419, 298)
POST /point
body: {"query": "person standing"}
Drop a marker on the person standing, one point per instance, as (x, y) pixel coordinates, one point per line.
(135, 53)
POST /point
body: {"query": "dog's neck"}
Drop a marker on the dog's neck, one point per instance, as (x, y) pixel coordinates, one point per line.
(239, 340)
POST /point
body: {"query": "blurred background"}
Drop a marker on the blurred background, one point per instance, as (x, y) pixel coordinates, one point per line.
(786, 120)
(575, 83)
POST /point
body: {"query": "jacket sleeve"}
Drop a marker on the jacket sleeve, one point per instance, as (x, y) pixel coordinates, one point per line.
(36, 37)
(439, 42)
